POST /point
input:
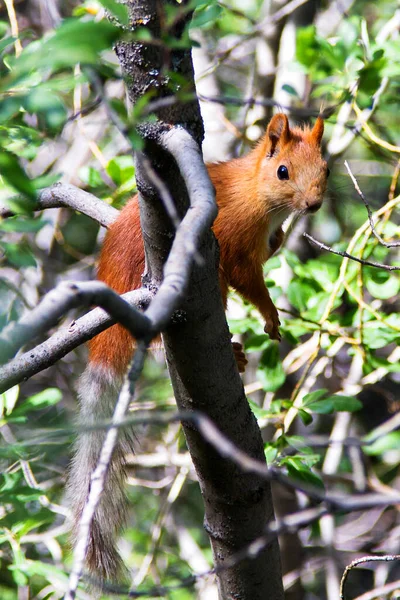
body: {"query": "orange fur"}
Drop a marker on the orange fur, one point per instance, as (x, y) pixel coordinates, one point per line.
(253, 202)
(121, 266)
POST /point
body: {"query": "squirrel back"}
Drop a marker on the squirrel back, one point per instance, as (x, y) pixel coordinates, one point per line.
(285, 173)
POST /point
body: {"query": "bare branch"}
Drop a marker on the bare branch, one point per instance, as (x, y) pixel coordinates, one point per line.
(270, 102)
(367, 263)
(69, 196)
(361, 561)
(64, 341)
(333, 501)
(64, 297)
(299, 112)
(329, 502)
(336, 501)
(197, 220)
(280, 14)
(370, 216)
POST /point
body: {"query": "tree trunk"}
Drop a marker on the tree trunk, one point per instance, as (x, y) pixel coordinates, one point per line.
(204, 375)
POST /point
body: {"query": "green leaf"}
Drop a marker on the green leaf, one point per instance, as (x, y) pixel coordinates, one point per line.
(317, 305)
(118, 10)
(298, 442)
(322, 272)
(91, 177)
(22, 224)
(247, 324)
(376, 362)
(321, 407)
(19, 255)
(15, 175)
(47, 397)
(257, 342)
(4, 43)
(314, 396)
(46, 104)
(3, 28)
(9, 106)
(259, 413)
(302, 473)
(291, 258)
(305, 416)
(370, 76)
(205, 15)
(271, 452)
(272, 263)
(381, 284)
(378, 335)
(295, 328)
(75, 41)
(315, 402)
(80, 232)
(270, 372)
(300, 293)
(389, 442)
(290, 90)
(121, 170)
(346, 403)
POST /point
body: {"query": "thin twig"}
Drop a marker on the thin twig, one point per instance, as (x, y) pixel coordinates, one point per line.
(280, 14)
(14, 26)
(367, 263)
(361, 561)
(167, 101)
(374, 138)
(369, 211)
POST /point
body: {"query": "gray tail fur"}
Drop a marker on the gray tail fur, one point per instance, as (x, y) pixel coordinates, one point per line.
(98, 391)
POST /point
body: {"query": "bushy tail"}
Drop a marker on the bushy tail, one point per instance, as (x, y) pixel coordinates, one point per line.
(98, 391)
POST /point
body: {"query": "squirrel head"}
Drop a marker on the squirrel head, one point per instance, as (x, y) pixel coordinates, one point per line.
(292, 175)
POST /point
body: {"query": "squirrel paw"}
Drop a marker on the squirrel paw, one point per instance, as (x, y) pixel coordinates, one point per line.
(272, 327)
(240, 356)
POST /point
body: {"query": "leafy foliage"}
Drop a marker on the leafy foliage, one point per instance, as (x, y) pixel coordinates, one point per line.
(340, 319)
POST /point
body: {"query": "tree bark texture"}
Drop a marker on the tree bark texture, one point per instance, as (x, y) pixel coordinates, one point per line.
(204, 375)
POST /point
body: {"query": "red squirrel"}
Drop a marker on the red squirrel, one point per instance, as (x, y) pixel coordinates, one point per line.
(285, 173)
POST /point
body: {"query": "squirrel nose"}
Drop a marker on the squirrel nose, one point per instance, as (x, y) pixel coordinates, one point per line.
(313, 205)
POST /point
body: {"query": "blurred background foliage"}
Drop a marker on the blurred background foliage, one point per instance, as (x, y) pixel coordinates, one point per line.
(336, 371)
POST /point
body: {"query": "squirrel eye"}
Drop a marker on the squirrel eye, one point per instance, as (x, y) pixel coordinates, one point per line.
(282, 172)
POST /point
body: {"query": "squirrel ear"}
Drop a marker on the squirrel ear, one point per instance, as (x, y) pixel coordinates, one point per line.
(318, 131)
(278, 131)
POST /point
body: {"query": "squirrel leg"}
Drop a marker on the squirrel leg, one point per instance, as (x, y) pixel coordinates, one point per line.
(249, 282)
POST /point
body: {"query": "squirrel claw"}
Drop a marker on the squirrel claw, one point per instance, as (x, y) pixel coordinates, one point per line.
(240, 356)
(272, 328)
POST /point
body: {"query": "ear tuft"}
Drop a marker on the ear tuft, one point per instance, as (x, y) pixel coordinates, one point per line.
(278, 131)
(318, 131)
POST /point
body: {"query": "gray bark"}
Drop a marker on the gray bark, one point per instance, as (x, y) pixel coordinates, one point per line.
(197, 343)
